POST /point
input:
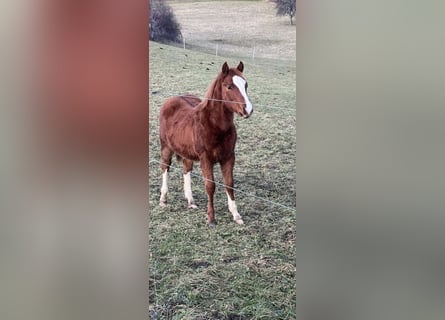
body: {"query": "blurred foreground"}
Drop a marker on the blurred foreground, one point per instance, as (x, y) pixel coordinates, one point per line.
(370, 177)
(74, 159)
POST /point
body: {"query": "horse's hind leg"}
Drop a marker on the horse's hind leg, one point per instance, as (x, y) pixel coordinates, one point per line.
(227, 172)
(188, 167)
(166, 159)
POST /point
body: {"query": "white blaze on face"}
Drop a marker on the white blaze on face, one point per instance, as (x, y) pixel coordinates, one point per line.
(241, 84)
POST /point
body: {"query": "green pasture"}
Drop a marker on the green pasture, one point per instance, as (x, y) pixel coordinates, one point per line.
(231, 271)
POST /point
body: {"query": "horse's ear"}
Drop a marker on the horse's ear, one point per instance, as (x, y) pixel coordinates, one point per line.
(240, 66)
(225, 68)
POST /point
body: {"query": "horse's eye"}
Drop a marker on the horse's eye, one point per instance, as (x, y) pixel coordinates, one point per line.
(230, 87)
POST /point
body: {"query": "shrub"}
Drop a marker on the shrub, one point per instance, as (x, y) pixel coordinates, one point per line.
(286, 8)
(162, 23)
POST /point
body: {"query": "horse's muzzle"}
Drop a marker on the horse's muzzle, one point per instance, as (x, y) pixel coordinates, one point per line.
(246, 114)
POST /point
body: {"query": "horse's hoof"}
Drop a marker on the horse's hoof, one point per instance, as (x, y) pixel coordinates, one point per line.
(192, 206)
(162, 204)
(212, 224)
(239, 221)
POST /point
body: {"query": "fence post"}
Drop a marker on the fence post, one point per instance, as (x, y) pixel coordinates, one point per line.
(216, 52)
(253, 53)
(183, 39)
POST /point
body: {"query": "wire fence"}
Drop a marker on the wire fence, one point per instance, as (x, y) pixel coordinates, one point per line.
(217, 51)
(171, 94)
(286, 207)
(223, 47)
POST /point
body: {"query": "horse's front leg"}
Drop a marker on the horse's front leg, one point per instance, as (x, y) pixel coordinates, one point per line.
(227, 173)
(207, 172)
(188, 167)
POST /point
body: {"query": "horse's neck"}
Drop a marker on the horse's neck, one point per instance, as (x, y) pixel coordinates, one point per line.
(216, 115)
(212, 111)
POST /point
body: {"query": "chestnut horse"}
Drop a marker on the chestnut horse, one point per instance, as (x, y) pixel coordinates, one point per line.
(204, 131)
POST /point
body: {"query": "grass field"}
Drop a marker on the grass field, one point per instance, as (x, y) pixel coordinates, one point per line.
(231, 271)
(237, 27)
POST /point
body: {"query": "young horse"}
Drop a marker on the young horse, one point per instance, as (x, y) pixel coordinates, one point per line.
(204, 131)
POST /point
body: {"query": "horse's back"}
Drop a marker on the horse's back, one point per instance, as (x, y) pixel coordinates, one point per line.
(178, 104)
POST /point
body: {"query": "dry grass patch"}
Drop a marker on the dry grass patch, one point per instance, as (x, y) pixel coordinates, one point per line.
(237, 27)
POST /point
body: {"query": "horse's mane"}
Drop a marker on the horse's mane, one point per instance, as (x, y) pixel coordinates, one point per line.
(213, 91)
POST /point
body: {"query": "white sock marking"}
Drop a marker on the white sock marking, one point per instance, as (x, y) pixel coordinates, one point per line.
(188, 190)
(234, 210)
(241, 84)
(164, 188)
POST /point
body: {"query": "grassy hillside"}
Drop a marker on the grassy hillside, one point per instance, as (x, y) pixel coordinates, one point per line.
(238, 28)
(231, 271)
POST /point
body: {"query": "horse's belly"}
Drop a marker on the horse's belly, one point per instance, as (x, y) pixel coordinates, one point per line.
(181, 141)
(186, 151)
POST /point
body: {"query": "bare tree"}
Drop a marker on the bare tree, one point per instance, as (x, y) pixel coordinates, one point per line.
(163, 26)
(286, 8)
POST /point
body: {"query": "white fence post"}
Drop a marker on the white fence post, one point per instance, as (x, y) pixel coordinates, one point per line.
(253, 53)
(183, 39)
(216, 52)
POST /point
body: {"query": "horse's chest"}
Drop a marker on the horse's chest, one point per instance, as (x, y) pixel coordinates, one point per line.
(218, 146)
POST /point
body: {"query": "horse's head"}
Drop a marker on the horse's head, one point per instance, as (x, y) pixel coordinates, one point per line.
(234, 90)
